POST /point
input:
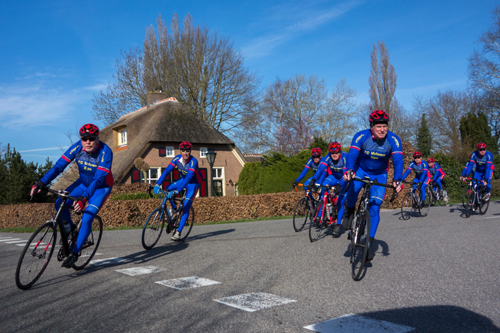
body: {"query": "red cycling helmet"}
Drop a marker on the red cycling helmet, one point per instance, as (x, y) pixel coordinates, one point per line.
(431, 160)
(185, 146)
(417, 154)
(481, 145)
(316, 152)
(334, 148)
(89, 130)
(379, 117)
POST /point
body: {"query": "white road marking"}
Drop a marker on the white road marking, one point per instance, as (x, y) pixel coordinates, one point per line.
(5, 238)
(356, 323)
(254, 301)
(107, 261)
(16, 241)
(88, 255)
(187, 282)
(32, 244)
(8, 239)
(490, 217)
(140, 270)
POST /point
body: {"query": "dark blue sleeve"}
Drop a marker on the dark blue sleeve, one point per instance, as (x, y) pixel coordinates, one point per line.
(355, 149)
(306, 169)
(397, 155)
(425, 171)
(408, 171)
(167, 171)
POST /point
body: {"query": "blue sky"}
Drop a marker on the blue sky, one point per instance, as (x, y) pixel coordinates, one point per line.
(55, 55)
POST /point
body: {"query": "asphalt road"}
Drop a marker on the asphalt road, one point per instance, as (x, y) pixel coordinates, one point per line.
(434, 274)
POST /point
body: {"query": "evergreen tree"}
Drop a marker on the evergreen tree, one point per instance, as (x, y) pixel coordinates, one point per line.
(424, 139)
(321, 144)
(474, 128)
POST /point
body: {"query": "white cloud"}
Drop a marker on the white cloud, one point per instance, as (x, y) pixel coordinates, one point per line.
(308, 19)
(97, 87)
(42, 149)
(24, 106)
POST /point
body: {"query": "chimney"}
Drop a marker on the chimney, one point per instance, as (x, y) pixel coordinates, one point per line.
(155, 96)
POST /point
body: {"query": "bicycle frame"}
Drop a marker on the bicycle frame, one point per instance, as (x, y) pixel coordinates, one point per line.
(179, 203)
(312, 202)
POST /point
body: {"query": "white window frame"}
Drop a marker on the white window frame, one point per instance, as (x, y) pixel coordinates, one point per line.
(122, 137)
(221, 173)
(169, 151)
(158, 174)
(203, 152)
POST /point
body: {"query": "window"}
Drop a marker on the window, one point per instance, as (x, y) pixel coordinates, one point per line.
(218, 173)
(153, 175)
(122, 137)
(170, 152)
(203, 152)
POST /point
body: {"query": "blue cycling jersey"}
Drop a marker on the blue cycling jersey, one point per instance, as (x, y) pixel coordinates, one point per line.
(421, 171)
(94, 168)
(372, 155)
(330, 167)
(481, 164)
(189, 172)
(436, 172)
(310, 165)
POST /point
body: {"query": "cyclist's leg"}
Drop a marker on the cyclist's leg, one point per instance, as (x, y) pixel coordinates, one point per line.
(173, 187)
(95, 204)
(377, 195)
(191, 190)
(438, 183)
(306, 184)
(74, 191)
(422, 189)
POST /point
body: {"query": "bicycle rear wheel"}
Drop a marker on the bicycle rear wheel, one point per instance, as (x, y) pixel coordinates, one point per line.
(90, 246)
(318, 223)
(407, 206)
(187, 227)
(424, 210)
(301, 214)
(442, 198)
(36, 255)
(152, 228)
(360, 244)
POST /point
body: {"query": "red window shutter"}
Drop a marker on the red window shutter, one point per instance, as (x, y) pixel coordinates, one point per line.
(162, 152)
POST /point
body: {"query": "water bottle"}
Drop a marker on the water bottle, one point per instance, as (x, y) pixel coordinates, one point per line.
(330, 208)
(170, 213)
(67, 227)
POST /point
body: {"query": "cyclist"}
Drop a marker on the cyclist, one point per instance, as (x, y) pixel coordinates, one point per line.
(422, 174)
(312, 163)
(437, 174)
(369, 155)
(333, 165)
(190, 180)
(481, 162)
(94, 159)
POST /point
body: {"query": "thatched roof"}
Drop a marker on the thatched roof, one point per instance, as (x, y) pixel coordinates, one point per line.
(166, 121)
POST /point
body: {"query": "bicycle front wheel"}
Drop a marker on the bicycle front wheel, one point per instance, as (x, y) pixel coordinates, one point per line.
(152, 228)
(318, 222)
(187, 227)
(465, 195)
(407, 206)
(36, 255)
(469, 205)
(90, 246)
(301, 214)
(483, 206)
(361, 244)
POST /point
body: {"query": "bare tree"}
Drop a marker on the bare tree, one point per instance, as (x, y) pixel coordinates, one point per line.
(201, 69)
(383, 82)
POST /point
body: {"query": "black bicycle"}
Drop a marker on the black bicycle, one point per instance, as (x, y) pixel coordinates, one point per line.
(325, 213)
(412, 204)
(476, 201)
(304, 209)
(38, 250)
(154, 223)
(360, 227)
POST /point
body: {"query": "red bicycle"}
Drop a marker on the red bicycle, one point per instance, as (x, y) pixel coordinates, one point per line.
(325, 214)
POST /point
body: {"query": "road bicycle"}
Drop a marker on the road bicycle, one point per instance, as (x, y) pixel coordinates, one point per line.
(435, 195)
(412, 203)
(38, 250)
(156, 220)
(476, 200)
(304, 209)
(325, 213)
(360, 227)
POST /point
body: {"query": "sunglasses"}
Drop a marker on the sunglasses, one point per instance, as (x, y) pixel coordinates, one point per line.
(482, 149)
(89, 138)
(185, 151)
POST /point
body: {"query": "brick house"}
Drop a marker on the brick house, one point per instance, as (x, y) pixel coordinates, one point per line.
(154, 133)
